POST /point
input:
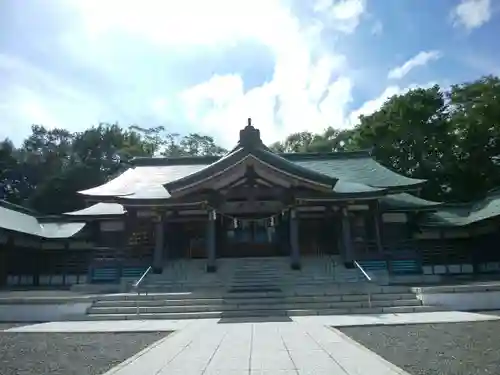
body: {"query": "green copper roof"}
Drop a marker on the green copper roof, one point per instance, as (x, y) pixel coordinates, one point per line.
(357, 167)
(18, 221)
(405, 201)
(465, 214)
(138, 178)
(356, 170)
(347, 187)
(99, 209)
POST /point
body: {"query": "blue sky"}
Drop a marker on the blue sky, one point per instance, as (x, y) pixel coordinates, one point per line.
(205, 66)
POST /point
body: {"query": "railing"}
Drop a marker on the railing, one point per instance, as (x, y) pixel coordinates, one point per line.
(367, 277)
(137, 284)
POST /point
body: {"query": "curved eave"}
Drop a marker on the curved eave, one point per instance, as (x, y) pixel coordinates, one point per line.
(61, 230)
(403, 202)
(345, 190)
(98, 210)
(238, 155)
(51, 231)
(413, 186)
(159, 203)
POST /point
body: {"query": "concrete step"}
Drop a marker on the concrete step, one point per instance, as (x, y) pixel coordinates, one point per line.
(152, 301)
(277, 305)
(261, 313)
(354, 292)
(166, 300)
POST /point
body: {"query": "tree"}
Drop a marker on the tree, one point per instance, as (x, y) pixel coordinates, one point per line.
(11, 180)
(449, 137)
(474, 110)
(51, 166)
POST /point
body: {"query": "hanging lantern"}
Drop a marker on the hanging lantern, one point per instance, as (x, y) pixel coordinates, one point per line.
(235, 223)
(271, 222)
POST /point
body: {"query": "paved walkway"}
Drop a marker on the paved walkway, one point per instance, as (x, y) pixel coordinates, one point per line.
(300, 346)
(326, 320)
(275, 348)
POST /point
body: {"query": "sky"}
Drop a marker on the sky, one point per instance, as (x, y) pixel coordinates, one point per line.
(206, 66)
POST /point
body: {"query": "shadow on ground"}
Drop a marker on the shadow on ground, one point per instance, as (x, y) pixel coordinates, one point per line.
(255, 319)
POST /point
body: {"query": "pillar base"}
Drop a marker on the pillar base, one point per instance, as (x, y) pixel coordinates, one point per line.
(295, 266)
(157, 270)
(349, 265)
(211, 268)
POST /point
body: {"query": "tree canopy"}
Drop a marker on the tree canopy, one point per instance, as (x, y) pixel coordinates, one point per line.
(52, 165)
(449, 136)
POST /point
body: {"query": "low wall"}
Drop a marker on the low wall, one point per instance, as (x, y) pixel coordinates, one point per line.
(43, 310)
(461, 297)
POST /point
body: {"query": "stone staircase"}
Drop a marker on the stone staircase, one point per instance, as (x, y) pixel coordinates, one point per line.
(256, 287)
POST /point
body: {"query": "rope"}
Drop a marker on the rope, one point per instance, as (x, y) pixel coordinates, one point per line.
(259, 219)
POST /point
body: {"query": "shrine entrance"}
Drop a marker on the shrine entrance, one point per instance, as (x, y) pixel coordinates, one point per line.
(252, 237)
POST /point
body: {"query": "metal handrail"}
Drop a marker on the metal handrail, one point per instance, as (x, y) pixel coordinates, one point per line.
(137, 284)
(362, 271)
(365, 274)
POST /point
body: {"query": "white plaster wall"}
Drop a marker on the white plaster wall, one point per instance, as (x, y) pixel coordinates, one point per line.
(463, 301)
(42, 312)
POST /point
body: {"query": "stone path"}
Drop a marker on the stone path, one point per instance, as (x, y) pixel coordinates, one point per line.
(327, 320)
(300, 346)
(256, 348)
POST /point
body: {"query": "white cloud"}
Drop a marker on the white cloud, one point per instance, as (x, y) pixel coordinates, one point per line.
(341, 15)
(31, 95)
(310, 87)
(188, 23)
(307, 90)
(471, 14)
(305, 76)
(421, 59)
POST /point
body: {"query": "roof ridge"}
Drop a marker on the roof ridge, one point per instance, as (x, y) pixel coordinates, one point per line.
(143, 161)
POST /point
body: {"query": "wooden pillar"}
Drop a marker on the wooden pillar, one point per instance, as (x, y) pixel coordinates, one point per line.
(210, 242)
(159, 243)
(347, 240)
(4, 248)
(166, 241)
(378, 233)
(294, 240)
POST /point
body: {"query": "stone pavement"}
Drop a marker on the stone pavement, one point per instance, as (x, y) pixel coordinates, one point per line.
(256, 348)
(325, 320)
(304, 345)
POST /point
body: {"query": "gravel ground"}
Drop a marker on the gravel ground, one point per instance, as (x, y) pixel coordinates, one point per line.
(13, 325)
(69, 353)
(471, 348)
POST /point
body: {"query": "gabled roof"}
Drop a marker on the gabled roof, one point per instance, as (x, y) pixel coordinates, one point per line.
(147, 177)
(250, 145)
(15, 218)
(460, 215)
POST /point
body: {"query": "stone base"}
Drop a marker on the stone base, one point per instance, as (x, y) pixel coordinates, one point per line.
(211, 268)
(295, 266)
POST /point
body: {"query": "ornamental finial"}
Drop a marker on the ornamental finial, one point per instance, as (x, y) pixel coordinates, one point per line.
(249, 136)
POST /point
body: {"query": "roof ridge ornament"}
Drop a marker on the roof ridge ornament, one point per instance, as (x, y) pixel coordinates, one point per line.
(250, 136)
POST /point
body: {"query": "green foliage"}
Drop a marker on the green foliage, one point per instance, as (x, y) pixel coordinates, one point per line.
(451, 137)
(51, 166)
